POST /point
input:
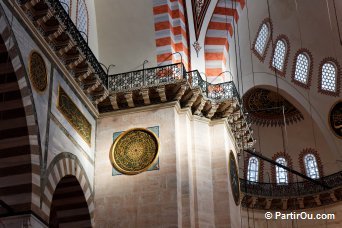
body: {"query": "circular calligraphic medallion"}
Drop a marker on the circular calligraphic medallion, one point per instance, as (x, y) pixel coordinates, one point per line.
(37, 71)
(234, 178)
(335, 119)
(134, 151)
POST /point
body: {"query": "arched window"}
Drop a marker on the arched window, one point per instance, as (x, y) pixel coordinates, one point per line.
(253, 169)
(82, 18)
(301, 73)
(262, 38)
(66, 5)
(279, 55)
(328, 77)
(311, 166)
(281, 174)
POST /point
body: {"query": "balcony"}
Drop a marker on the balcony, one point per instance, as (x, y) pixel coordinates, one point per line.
(297, 195)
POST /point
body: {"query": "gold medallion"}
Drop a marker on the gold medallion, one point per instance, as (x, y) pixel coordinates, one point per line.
(134, 151)
(37, 70)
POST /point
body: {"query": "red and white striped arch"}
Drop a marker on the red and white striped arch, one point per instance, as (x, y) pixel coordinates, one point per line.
(219, 34)
(170, 25)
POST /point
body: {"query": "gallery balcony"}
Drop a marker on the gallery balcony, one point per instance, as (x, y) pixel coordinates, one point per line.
(295, 195)
(172, 83)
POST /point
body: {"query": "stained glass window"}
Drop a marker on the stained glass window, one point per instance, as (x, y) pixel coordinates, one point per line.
(302, 68)
(82, 18)
(281, 174)
(311, 166)
(253, 169)
(328, 75)
(261, 40)
(66, 5)
(279, 55)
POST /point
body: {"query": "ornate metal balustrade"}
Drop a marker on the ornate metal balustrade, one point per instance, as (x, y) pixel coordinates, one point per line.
(146, 78)
(170, 74)
(290, 190)
(221, 91)
(63, 17)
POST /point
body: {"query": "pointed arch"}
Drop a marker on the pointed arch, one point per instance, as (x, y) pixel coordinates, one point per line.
(20, 151)
(219, 34)
(301, 161)
(329, 79)
(263, 39)
(288, 160)
(280, 55)
(63, 165)
(171, 32)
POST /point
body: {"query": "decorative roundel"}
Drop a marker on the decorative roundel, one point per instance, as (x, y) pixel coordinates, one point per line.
(134, 151)
(37, 71)
(335, 119)
(234, 178)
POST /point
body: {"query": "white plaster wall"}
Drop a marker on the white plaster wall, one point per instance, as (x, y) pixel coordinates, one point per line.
(126, 34)
(310, 28)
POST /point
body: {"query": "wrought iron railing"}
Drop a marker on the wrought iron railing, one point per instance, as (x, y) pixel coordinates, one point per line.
(290, 189)
(63, 17)
(146, 77)
(221, 91)
(170, 74)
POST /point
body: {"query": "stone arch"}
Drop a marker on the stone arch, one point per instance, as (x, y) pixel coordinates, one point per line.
(219, 34)
(20, 152)
(65, 165)
(299, 99)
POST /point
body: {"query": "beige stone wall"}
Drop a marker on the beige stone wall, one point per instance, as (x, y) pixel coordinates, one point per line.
(192, 187)
(257, 218)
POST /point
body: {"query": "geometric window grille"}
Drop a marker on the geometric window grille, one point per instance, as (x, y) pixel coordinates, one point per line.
(281, 174)
(253, 168)
(66, 5)
(328, 77)
(311, 166)
(82, 18)
(261, 40)
(302, 68)
(279, 55)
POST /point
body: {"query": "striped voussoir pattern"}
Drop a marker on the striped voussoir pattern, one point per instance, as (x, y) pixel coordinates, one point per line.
(67, 193)
(219, 34)
(170, 26)
(19, 136)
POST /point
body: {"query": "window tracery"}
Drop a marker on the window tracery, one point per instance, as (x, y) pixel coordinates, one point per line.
(279, 55)
(261, 41)
(281, 173)
(66, 5)
(253, 169)
(302, 68)
(82, 18)
(311, 166)
(328, 75)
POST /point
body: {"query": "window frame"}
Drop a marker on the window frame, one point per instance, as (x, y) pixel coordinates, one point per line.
(286, 41)
(70, 7)
(280, 169)
(289, 165)
(269, 25)
(301, 161)
(257, 171)
(87, 16)
(337, 79)
(307, 168)
(308, 54)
